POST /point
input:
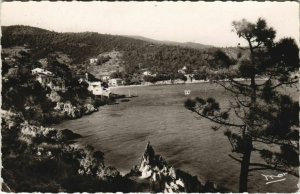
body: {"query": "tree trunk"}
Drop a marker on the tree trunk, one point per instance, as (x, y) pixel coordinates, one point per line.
(247, 140)
(245, 167)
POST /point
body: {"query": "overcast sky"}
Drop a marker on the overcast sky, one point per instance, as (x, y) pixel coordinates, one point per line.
(202, 22)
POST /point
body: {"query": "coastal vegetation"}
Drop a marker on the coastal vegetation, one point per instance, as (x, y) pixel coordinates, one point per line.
(260, 113)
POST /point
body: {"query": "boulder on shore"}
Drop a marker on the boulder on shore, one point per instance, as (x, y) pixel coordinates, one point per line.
(66, 134)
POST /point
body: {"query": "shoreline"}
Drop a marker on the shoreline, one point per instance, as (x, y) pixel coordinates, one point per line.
(160, 84)
(181, 83)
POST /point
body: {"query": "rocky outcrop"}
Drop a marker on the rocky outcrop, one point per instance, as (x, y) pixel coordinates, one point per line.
(90, 162)
(68, 109)
(30, 132)
(74, 112)
(11, 119)
(164, 178)
(88, 109)
(66, 134)
(54, 96)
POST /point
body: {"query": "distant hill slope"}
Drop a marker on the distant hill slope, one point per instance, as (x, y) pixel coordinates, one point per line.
(137, 54)
(105, 69)
(80, 46)
(173, 43)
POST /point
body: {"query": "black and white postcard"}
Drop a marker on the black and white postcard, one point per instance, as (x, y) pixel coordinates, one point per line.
(150, 97)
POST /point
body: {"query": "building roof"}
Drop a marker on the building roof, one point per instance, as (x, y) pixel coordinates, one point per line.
(95, 83)
(42, 71)
(116, 79)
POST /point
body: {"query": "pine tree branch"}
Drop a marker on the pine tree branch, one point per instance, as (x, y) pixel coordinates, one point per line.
(229, 89)
(254, 169)
(284, 83)
(234, 158)
(240, 102)
(257, 46)
(266, 141)
(269, 79)
(238, 83)
(218, 121)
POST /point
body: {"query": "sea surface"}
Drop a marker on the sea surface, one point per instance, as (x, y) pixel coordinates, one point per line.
(158, 115)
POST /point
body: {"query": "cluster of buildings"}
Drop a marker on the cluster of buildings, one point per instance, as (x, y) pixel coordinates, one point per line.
(96, 87)
(183, 70)
(47, 78)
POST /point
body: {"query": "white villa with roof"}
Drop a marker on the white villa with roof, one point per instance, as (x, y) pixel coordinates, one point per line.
(93, 60)
(115, 82)
(97, 89)
(147, 73)
(47, 78)
(182, 70)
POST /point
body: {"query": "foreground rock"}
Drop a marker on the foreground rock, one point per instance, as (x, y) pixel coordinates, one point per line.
(157, 176)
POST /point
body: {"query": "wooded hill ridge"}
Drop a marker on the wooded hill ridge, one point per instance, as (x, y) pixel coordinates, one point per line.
(138, 54)
(173, 43)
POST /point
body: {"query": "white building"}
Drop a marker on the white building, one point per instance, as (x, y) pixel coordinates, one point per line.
(9, 59)
(115, 82)
(97, 89)
(41, 71)
(47, 78)
(93, 60)
(147, 73)
(105, 78)
(182, 70)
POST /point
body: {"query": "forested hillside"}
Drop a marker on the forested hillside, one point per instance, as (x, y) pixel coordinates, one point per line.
(138, 55)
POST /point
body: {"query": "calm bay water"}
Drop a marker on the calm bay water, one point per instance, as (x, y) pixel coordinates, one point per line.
(158, 115)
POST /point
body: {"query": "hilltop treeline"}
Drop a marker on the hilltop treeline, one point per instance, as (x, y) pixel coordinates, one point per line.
(79, 46)
(137, 54)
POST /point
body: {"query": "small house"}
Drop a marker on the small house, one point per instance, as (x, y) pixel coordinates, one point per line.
(147, 73)
(47, 78)
(9, 59)
(105, 78)
(182, 70)
(97, 89)
(116, 82)
(44, 79)
(93, 60)
(41, 71)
